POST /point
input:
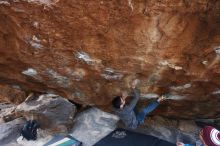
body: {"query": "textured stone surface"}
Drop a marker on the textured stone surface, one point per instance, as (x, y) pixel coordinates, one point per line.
(87, 51)
(171, 130)
(92, 125)
(51, 111)
(10, 131)
(11, 94)
(7, 113)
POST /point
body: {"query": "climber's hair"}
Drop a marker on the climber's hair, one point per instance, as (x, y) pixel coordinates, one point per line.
(116, 102)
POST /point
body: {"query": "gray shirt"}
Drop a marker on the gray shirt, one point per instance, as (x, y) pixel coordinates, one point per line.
(127, 114)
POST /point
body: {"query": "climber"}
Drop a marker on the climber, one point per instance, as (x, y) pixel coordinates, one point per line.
(126, 111)
(209, 136)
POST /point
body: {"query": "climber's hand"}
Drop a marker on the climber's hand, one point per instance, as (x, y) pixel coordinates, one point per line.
(161, 98)
(124, 94)
(135, 83)
(180, 144)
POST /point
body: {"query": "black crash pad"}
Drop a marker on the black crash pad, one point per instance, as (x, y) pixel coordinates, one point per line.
(122, 137)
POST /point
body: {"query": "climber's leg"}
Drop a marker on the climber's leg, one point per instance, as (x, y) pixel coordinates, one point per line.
(145, 111)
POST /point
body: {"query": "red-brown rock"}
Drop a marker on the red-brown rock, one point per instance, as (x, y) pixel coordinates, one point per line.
(87, 51)
(11, 94)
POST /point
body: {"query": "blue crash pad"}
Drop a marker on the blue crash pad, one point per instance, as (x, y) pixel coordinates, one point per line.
(63, 141)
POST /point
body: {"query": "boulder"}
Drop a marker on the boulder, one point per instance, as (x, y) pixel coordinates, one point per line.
(171, 130)
(88, 50)
(11, 94)
(92, 125)
(51, 111)
(10, 131)
(187, 126)
(7, 112)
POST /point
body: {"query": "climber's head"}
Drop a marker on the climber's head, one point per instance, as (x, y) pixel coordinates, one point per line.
(118, 102)
(209, 136)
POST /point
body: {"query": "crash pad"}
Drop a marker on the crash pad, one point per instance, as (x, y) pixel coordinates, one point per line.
(63, 141)
(123, 137)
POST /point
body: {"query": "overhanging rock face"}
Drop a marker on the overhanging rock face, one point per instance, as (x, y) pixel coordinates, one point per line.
(88, 51)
